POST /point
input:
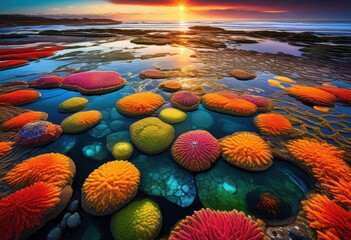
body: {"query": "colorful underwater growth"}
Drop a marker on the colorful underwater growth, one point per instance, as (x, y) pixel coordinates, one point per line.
(263, 104)
(172, 115)
(343, 94)
(72, 105)
(46, 82)
(139, 104)
(273, 123)
(151, 135)
(311, 95)
(53, 168)
(19, 97)
(209, 224)
(110, 187)
(16, 123)
(331, 221)
(196, 150)
(5, 147)
(12, 64)
(242, 74)
(152, 73)
(284, 79)
(38, 133)
(81, 121)
(122, 150)
(275, 83)
(268, 204)
(227, 104)
(27, 56)
(139, 220)
(170, 86)
(185, 100)
(90, 83)
(327, 165)
(25, 209)
(246, 150)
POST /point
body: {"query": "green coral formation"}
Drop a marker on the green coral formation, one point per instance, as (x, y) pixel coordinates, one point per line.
(81, 121)
(72, 105)
(122, 150)
(151, 135)
(140, 220)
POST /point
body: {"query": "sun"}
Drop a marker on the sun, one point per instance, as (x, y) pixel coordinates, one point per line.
(181, 8)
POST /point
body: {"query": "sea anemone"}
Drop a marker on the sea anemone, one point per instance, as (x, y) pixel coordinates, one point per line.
(242, 75)
(151, 135)
(152, 73)
(122, 150)
(12, 64)
(19, 97)
(343, 94)
(263, 104)
(170, 86)
(327, 165)
(273, 123)
(139, 220)
(72, 105)
(16, 123)
(90, 83)
(311, 95)
(25, 209)
(172, 115)
(268, 204)
(246, 150)
(54, 168)
(139, 104)
(196, 150)
(185, 100)
(224, 103)
(81, 121)
(46, 82)
(5, 147)
(284, 79)
(329, 219)
(110, 187)
(209, 224)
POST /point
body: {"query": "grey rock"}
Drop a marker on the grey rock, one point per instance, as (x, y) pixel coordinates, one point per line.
(63, 222)
(74, 220)
(73, 206)
(55, 233)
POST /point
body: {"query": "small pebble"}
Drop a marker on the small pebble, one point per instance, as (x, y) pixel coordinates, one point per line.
(73, 207)
(74, 220)
(55, 233)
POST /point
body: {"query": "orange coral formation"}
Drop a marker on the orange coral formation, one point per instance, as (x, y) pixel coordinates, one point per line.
(327, 165)
(273, 123)
(53, 168)
(246, 150)
(170, 86)
(139, 104)
(5, 147)
(343, 95)
(25, 208)
(110, 187)
(20, 97)
(311, 95)
(19, 121)
(228, 103)
(331, 221)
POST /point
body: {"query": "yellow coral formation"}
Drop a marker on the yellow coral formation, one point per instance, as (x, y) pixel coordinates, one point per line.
(5, 147)
(81, 121)
(273, 123)
(246, 150)
(53, 168)
(284, 79)
(110, 187)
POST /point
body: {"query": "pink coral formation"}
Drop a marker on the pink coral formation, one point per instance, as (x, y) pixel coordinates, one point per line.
(273, 123)
(311, 95)
(16, 123)
(152, 73)
(263, 104)
(185, 100)
(196, 150)
(12, 64)
(19, 97)
(46, 82)
(213, 225)
(97, 82)
(343, 94)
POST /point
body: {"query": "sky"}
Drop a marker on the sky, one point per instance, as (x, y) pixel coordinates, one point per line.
(184, 10)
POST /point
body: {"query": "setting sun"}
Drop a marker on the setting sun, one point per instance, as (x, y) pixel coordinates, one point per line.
(181, 8)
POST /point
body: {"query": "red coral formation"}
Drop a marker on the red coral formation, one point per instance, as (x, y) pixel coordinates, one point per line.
(17, 50)
(5, 147)
(15, 83)
(21, 120)
(311, 95)
(27, 56)
(152, 73)
(213, 225)
(185, 100)
(331, 221)
(46, 82)
(25, 208)
(273, 123)
(263, 104)
(268, 204)
(20, 97)
(12, 64)
(343, 94)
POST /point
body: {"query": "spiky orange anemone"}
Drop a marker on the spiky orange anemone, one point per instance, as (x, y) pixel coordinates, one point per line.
(20, 97)
(25, 208)
(246, 150)
(329, 219)
(229, 104)
(342, 94)
(311, 95)
(273, 123)
(53, 168)
(327, 165)
(5, 147)
(19, 121)
(139, 104)
(170, 86)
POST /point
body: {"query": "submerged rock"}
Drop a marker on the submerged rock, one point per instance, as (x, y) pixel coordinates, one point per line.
(96, 151)
(55, 233)
(74, 220)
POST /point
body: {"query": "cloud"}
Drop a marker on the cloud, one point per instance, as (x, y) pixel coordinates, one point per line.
(55, 9)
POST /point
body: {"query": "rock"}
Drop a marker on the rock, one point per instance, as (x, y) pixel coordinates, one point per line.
(55, 233)
(74, 220)
(73, 206)
(101, 130)
(63, 222)
(202, 119)
(242, 75)
(112, 139)
(96, 151)
(116, 125)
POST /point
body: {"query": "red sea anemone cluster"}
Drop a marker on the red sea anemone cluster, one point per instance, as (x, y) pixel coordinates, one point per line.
(46, 82)
(185, 100)
(20, 97)
(343, 95)
(196, 150)
(213, 225)
(263, 104)
(12, 64)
